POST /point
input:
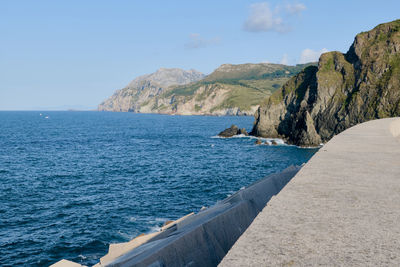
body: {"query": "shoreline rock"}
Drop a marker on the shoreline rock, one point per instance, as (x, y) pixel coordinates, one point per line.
(243, 131)
(232, 131)
(229, 132)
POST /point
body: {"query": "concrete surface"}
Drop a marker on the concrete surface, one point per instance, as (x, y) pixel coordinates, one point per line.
(341, 209)
(66, 263)
(204, 238)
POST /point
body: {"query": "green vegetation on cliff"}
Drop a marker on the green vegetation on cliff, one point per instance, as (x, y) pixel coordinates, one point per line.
(345, 89)
(246, 84)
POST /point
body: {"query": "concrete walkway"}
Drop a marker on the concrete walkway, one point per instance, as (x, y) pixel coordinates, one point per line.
(341, 209)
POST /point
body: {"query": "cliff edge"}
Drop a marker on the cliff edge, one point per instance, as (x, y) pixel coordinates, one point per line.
(342, 91)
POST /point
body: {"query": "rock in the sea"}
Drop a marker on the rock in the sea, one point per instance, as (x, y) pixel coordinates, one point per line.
(243, 131)
(274, 143)
(258, 142)
(344, 90)
(231, 131)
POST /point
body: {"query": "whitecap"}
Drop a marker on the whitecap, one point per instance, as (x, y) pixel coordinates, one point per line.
(268, 140)
(235, 136)
(239, 136)
(158, 220)
(124, 235)
(154, 229)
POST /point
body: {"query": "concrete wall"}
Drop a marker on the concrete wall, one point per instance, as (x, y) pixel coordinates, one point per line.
(203, 239)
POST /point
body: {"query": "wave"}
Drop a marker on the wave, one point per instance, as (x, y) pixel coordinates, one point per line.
(235, 136)
(155, 224)
(153, 229)
(268, 141)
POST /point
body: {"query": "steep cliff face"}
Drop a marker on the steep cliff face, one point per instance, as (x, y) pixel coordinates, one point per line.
(229, 90)
(344, 90)
(144, 88)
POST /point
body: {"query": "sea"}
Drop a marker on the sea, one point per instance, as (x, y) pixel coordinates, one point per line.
(71, 183)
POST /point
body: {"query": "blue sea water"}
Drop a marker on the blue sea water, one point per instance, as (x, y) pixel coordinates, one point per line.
(71, 183)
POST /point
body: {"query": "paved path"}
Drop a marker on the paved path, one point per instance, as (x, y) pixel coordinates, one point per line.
(341, 209)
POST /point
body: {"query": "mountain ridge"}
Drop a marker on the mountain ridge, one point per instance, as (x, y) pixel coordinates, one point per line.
(144, 87)
(229, 90)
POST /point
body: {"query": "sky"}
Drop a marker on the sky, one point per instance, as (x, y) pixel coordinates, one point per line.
(74, 54)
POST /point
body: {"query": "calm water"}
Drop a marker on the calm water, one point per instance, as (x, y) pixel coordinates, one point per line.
(74, 182)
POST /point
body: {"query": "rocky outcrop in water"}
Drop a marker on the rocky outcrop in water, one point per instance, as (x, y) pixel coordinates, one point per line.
(232, 131)
(229, 132)
(343, 90)
(243, 131)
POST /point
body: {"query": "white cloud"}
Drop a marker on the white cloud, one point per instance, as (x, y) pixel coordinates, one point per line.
(285, 59)
(262, 18)
(296, 8)
(309, 55)
(196, 41)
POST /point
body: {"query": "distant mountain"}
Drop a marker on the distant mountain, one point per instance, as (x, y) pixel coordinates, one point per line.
(229, 90)
(344, 90)
(143, 89)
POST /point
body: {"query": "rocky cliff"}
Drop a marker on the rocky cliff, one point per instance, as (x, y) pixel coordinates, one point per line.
(142, 89)
(229, 90)
(343, 90)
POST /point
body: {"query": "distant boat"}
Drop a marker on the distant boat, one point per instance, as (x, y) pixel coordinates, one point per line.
(46, 117)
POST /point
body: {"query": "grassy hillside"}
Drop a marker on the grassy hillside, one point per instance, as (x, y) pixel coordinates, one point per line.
(248, 84)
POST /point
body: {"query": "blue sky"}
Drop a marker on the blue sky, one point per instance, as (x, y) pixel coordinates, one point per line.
(61, 54)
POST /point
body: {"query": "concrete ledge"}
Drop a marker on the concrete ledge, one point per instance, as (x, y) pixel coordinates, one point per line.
(201, 239)
(341, 209)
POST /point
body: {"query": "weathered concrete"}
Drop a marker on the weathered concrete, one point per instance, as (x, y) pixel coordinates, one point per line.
(201, 239)
(341, 209)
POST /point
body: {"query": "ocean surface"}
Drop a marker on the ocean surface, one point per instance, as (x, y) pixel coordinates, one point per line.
(71, 183)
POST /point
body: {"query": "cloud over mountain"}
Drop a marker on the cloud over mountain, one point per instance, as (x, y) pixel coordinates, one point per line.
(309, 55)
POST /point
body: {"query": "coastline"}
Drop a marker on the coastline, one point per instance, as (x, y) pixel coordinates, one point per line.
(181, 114)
